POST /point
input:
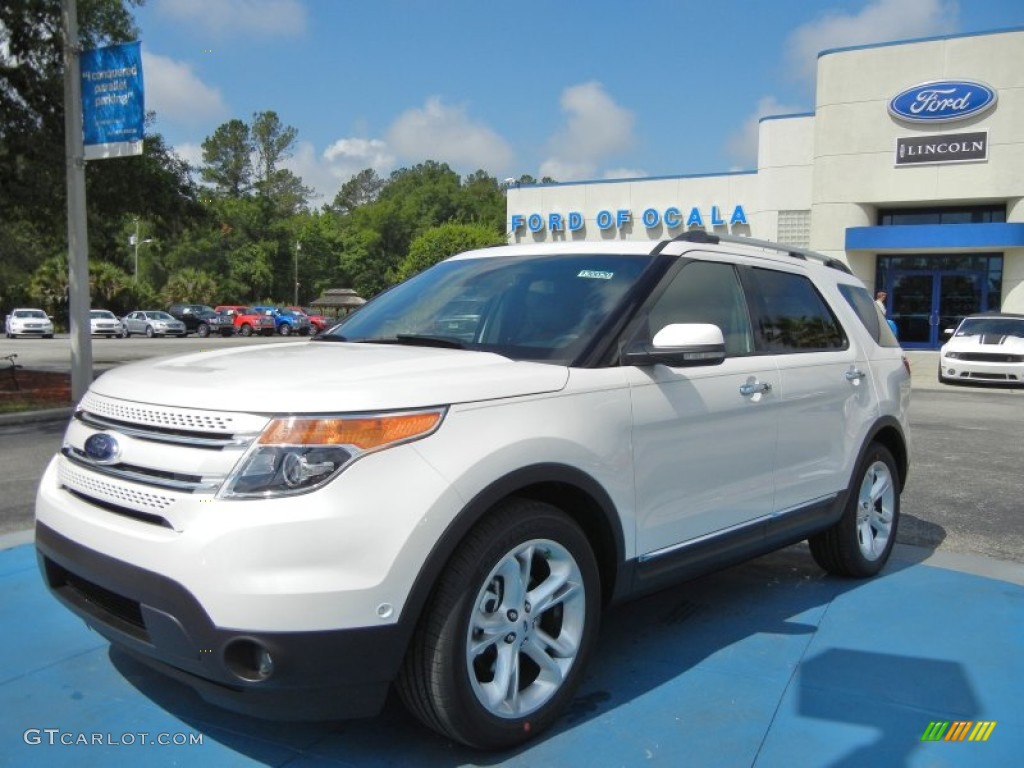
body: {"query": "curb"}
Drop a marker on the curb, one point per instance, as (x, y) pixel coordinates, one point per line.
(35, 417)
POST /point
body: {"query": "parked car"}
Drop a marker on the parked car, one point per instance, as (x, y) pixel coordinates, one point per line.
(317, 322)
(986, 348)
(247, 321)
(103, 322)
(202, 319)
(28, 322)
(286, 321)
(451, 516)
(152, 322)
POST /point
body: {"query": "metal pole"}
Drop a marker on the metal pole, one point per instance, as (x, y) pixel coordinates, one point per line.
(298, 247)
(78, 240)
(135, 277)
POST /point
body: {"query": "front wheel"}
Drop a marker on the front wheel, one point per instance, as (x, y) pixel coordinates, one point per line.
(246, 330)
(149, 332)
(860, 543)
(203, 330)
(503, 644)
(285, 329)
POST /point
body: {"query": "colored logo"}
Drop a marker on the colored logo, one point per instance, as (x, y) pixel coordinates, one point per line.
(961, 730)
(942, 101)
(102, 448)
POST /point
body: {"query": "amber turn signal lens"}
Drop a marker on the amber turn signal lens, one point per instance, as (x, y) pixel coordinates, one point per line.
(364, 433)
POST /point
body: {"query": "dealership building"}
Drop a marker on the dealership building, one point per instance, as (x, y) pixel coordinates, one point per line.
(910, 169)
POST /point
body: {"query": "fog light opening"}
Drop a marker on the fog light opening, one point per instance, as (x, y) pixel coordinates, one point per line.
(249, 660)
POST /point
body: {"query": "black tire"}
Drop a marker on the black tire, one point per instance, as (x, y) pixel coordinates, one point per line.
(859, 544)
(149, 332)
(245, 330)
(285, 329)
(202, 330)
(445, 689)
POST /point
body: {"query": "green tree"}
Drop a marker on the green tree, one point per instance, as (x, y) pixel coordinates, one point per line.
(361, 189)
(227, 159)
(439, 243)
(108, 283)
(191, 285)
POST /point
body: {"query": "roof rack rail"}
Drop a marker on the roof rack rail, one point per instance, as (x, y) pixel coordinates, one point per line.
(702, 236)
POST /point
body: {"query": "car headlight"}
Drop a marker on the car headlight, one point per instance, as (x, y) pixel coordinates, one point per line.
(951, 355)
(296, 454)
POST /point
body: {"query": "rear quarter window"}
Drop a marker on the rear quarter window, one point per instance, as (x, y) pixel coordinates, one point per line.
(870, 315)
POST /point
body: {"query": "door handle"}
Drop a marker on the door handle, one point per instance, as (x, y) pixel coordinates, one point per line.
(854, 374)
(754, 388)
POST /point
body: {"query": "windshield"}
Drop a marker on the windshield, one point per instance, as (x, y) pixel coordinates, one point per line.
(991, 326)
(158, 316)
(35, 313)
(101, 314)
(523, 307)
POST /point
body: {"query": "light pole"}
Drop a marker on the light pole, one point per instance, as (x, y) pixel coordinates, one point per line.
(135, 241)
(298, 247)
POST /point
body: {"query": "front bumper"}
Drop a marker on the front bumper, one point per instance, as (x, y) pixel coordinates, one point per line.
(956, 369)
(323, 674)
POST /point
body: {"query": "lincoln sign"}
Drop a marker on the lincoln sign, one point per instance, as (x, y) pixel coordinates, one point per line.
(947, 148)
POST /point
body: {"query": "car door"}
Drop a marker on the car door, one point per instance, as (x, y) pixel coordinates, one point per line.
(704, 437)
(825, 395)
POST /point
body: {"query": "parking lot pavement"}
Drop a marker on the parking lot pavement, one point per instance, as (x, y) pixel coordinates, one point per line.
(770, 663)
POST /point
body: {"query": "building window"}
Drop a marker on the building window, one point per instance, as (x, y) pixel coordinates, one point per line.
(795, 228)
(965, 214)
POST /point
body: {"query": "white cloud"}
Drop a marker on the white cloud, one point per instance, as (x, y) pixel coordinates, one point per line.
(447, 134)
(595, 128)
(741, 146)
(624, 173)
(342, 160)
(190, 153)
(877, 22)
(177, 94)
(241, 18)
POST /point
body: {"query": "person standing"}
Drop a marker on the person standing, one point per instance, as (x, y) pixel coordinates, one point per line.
(880, 298)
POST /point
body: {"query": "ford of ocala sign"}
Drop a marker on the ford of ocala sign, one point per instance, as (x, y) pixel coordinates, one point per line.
(942, 101)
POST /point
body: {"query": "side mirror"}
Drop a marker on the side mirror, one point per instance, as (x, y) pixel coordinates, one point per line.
(679, 345)
(948, 332)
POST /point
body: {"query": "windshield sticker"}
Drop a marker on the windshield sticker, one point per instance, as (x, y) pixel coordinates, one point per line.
(595, 274)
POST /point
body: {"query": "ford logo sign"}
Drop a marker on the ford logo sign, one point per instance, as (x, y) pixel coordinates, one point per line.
(102, 448)
(942, 101)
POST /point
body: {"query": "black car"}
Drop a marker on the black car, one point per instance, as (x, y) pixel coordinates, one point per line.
(202, 320)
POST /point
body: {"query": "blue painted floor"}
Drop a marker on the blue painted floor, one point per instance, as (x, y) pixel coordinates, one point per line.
(767, 664)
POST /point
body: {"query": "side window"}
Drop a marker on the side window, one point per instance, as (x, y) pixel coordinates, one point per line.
(790, 315)
(707, 292)
(870, 315)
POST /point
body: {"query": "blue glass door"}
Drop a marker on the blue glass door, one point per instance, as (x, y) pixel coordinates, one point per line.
(925, 303)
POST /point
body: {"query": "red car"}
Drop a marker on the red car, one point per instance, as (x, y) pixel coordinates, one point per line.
(316, 322)
(247, 320)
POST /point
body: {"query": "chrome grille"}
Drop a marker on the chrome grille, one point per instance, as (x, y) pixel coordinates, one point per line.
(116, 493)
(167, 418)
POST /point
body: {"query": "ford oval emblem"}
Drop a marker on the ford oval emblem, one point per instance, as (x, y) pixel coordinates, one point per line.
(102, 448)
(942, 101)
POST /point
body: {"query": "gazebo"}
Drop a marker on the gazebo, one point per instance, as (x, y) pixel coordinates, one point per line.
(338, 302)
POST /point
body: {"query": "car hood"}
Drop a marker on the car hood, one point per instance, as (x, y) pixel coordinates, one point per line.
(991, 342)
(310, 377)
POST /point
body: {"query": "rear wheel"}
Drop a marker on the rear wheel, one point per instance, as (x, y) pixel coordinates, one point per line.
(860, 543)
(502, 646)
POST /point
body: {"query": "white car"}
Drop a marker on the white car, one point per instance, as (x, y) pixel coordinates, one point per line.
(103, 322)
(451, 504)
(28, 322)
(986, 348)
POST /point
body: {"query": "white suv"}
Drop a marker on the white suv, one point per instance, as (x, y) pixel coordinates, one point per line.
(487, 455)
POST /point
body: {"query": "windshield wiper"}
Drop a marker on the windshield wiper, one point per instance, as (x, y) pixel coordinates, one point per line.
(425, 340)
(328, 337)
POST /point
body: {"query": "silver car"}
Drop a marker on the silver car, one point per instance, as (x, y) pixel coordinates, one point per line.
(152, 323)
(103, 322)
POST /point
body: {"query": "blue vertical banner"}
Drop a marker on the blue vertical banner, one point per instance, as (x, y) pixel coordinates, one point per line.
(113, 108)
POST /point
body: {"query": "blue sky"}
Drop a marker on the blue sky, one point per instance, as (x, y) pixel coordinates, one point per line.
(571, 89)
